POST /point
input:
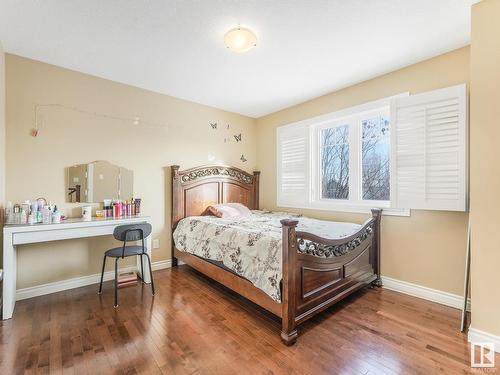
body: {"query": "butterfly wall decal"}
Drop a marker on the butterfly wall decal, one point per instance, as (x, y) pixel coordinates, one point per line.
(238, 137)
(213, 125)
(243, 159)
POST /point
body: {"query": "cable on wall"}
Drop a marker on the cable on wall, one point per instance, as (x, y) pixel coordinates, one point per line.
(131, 120)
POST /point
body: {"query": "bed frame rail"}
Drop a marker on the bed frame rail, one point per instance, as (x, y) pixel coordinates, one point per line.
(318, 272)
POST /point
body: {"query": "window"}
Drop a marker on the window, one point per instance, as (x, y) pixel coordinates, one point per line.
(335, 162)
(352, 158)
(376, 158)
(396, 153)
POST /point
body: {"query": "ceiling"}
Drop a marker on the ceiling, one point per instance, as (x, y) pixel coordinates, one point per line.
(306, 48)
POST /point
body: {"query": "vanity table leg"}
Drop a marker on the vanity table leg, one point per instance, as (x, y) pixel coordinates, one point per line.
(9, 277)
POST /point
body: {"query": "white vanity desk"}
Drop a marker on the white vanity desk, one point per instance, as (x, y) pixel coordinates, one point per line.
(14, 235)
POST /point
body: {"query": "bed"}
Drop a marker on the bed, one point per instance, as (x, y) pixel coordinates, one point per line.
(292, 266)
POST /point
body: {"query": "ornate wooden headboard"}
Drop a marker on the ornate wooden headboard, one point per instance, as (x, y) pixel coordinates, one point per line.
(193, 190)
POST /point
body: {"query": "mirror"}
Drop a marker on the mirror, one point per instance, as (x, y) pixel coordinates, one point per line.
(99, 180)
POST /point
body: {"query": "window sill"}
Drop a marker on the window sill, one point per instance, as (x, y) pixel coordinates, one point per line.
(360, 209)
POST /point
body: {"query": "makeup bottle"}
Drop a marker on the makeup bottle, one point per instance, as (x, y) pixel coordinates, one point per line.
(137, 206)
(39, 216)
(17, 214)
(9, 213)
(117, 209)
(56, 216)
(34, 210)
(23, 217)
(26, 206)
(107, 208)
(46, 215)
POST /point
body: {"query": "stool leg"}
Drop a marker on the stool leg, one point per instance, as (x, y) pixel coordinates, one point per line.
(142, 270)
(151, 274)
(116, 282)
(102, 273)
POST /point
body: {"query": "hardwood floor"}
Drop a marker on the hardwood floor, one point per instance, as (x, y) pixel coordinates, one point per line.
(194, 326)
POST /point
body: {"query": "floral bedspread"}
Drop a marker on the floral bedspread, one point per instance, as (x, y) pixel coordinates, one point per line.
(250, 246)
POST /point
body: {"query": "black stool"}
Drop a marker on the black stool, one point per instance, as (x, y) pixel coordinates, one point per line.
(124, 233)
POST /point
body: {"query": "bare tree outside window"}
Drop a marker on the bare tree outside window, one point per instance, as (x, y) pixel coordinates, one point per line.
(376, 158)
(335, 162)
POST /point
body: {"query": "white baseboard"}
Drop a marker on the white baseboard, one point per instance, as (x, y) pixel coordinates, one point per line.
(58, 286)
(161, 264)
(434, 295)
(478, 336)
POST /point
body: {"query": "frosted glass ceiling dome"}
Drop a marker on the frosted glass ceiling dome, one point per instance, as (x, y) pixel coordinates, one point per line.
(240, 39)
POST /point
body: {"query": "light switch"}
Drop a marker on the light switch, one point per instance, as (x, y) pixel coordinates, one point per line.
(156, 244)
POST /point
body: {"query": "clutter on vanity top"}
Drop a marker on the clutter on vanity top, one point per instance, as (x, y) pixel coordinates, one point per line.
(117, 208)
(40, 211)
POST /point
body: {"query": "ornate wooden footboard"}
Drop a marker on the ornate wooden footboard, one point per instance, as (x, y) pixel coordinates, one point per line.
(317, 272)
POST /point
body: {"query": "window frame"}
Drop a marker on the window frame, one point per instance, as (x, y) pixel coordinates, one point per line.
(325, 121)
(354, 121)
(316, 149)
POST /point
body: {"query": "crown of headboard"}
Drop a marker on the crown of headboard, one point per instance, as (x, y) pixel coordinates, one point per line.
(193, 190)
(195, 174)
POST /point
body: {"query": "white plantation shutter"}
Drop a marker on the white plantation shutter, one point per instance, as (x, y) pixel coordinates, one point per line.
(429, 150)
(293, 162)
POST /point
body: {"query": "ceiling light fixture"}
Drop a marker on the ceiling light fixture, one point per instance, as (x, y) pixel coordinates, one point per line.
(240, 39)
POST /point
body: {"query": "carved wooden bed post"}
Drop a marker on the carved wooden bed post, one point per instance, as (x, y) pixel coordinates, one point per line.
(288, 295)
(176, 210)
(256, 183)
(377, 215)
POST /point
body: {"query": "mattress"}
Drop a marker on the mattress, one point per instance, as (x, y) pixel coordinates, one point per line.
(250, 246)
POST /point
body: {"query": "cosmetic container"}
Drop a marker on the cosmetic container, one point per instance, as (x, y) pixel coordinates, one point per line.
(26, 206)
(87, 213)
(46, 215)
(9, 213)
(117, 209)
(17, 214)
(56, 216)
(23, 217)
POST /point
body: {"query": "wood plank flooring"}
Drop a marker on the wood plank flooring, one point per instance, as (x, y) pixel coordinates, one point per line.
(195, 326)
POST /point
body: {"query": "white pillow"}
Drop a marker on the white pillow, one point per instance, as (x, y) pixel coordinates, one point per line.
(225, 210)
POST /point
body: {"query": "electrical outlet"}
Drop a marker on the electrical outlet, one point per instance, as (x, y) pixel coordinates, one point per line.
(156, 244)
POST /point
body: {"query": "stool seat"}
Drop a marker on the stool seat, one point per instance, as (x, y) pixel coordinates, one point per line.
(129, 251)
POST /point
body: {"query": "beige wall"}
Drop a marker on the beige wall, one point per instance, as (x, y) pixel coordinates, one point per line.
(484, 165)
(2, 143)
(2, 131)
(35, 166)
(427, 248)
